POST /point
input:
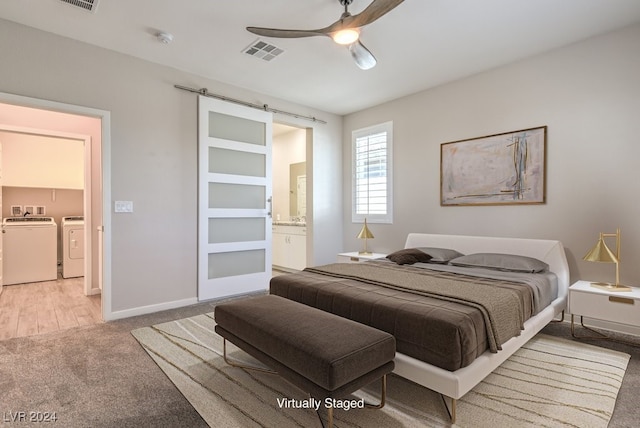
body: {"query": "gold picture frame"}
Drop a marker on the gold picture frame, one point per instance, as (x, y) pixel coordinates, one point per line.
(499, 169)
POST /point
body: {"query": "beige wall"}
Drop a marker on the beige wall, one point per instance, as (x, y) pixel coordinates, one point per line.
(588, 95)
(154, 156)
(41, 161)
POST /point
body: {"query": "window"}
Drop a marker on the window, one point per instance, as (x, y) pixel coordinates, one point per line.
(371, 179)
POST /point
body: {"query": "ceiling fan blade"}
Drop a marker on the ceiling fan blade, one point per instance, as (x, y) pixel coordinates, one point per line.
(375, 10)
(274, 32)
(362, 56)
(340, 24)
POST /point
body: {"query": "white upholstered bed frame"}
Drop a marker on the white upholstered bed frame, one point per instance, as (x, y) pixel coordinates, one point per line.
(457, 383)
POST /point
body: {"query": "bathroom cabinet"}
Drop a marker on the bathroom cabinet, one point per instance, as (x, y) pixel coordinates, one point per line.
(289, 247)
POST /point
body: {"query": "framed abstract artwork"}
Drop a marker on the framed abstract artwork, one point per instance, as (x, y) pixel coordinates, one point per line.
(500, 169)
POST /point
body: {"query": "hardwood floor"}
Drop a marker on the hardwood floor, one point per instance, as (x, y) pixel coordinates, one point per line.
(43, 307)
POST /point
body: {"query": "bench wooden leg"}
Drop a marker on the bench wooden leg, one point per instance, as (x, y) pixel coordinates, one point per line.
(242, 366)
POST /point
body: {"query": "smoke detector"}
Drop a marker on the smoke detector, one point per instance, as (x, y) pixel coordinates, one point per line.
(164, 37)
(86, 5)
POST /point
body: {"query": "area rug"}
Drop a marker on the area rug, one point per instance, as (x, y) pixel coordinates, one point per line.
(550, 382)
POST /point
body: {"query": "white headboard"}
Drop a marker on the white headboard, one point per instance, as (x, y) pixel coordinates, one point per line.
(550, 252)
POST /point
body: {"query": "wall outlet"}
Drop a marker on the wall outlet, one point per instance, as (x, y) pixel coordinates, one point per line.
(31, 209)
(123, 206)
(40, 210)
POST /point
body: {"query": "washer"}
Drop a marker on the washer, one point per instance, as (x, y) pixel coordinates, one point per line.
(72, 246)
(30, 247)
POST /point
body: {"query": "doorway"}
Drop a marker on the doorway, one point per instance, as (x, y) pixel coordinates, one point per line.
(290, 196)
(47, 174)
(51, 118)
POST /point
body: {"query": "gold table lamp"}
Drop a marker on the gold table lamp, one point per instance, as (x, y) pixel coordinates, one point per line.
(365, 234)
(601, 253)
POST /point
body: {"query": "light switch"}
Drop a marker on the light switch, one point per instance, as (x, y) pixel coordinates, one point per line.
(123, 206)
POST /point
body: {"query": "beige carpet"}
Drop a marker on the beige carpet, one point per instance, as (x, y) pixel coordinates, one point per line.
(550, 382)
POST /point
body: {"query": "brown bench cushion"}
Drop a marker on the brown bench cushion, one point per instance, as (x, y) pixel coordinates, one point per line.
(326, 349)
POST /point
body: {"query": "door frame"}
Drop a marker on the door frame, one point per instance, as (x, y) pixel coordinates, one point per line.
(104, 237)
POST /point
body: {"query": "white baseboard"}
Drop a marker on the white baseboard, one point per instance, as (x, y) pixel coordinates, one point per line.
(143, 310)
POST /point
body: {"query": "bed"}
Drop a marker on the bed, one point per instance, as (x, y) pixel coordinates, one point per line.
(455, 382)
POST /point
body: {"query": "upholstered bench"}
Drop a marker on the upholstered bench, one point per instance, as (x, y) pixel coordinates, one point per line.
(323, 354)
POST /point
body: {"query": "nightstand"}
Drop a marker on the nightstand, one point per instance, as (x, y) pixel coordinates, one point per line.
(355, 257)
(592, 302)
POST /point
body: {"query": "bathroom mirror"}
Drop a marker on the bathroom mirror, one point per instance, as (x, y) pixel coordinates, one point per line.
(298, 189)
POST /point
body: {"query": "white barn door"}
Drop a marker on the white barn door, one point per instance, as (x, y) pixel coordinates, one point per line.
(234, 199)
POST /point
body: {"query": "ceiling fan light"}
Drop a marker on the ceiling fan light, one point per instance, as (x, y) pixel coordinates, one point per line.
(345, 37)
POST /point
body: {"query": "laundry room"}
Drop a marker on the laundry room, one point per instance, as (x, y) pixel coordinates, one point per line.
(42, 187)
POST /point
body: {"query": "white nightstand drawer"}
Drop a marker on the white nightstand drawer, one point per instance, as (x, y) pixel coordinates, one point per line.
(616, 308)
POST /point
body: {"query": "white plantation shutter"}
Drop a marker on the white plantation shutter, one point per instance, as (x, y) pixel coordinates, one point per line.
(372, 174)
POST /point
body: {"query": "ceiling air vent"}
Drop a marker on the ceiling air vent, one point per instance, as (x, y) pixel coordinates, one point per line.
(263, 50)
(86, 5)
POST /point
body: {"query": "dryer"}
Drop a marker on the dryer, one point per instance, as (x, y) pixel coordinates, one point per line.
(30, 247)
(72, 246)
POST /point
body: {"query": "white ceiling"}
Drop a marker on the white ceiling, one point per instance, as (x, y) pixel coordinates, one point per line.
(420, 44)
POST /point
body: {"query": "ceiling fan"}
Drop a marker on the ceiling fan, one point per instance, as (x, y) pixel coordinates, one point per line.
(345, 31)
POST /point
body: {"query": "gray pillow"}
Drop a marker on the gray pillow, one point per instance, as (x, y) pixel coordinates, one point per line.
(505, 262)
(440, 255)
